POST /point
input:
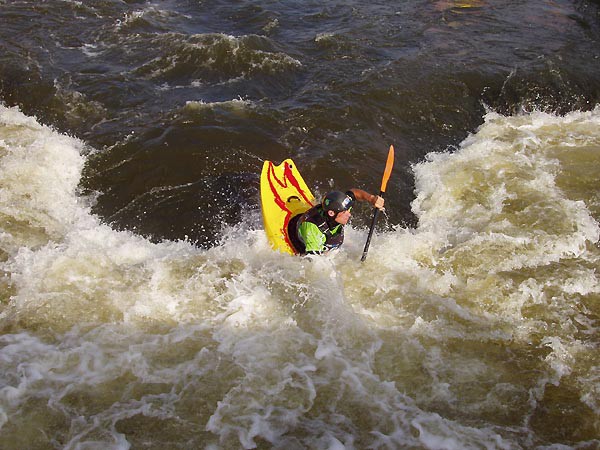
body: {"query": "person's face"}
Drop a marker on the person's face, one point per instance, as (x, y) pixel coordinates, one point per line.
(343, 217)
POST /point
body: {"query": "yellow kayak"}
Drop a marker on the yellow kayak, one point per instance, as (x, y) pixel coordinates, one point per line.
(283, 195)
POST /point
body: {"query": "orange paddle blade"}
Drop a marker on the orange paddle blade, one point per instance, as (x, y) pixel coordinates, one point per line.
(388, 168)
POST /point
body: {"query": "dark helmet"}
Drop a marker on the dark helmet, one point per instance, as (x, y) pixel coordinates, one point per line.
(337, 201)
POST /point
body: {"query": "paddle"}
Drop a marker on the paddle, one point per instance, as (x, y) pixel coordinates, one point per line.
(386, 176)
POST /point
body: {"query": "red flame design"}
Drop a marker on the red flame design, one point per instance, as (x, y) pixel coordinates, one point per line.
(288, 180)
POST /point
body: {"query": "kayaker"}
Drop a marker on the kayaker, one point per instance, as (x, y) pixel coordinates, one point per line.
(321, 228)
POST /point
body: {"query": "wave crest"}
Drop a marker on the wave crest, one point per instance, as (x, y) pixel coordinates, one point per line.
(215, 57)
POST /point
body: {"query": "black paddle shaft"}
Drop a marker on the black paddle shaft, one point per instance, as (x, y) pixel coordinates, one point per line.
(389, 164)
(375, 215)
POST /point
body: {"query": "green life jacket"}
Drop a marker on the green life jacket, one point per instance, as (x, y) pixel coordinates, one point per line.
(334, 237)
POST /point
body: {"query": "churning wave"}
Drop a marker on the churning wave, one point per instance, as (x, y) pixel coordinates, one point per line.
(461, 333)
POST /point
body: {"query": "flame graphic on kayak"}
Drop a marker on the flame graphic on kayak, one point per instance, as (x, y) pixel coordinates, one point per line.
(288, 195)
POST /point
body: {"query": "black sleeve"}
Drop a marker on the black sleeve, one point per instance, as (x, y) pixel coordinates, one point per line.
(351, 195)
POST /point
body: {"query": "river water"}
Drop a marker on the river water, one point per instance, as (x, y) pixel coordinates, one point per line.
(140, 304)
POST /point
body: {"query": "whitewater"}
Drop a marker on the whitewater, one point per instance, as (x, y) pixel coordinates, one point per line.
(478, 328)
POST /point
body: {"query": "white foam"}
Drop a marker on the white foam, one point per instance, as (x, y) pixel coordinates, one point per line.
(256, 348)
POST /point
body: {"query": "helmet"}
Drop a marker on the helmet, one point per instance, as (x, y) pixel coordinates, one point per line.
(337, 201)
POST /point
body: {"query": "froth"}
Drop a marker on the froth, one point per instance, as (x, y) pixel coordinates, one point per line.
(39, 174)
(460, 333)
(499, 193)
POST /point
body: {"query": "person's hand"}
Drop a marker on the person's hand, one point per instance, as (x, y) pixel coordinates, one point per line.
(379, 202)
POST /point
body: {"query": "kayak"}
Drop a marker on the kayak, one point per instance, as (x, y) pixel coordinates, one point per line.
(283, 195)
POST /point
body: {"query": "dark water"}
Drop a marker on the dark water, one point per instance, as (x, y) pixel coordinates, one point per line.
(141, 306)
(183, 100)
